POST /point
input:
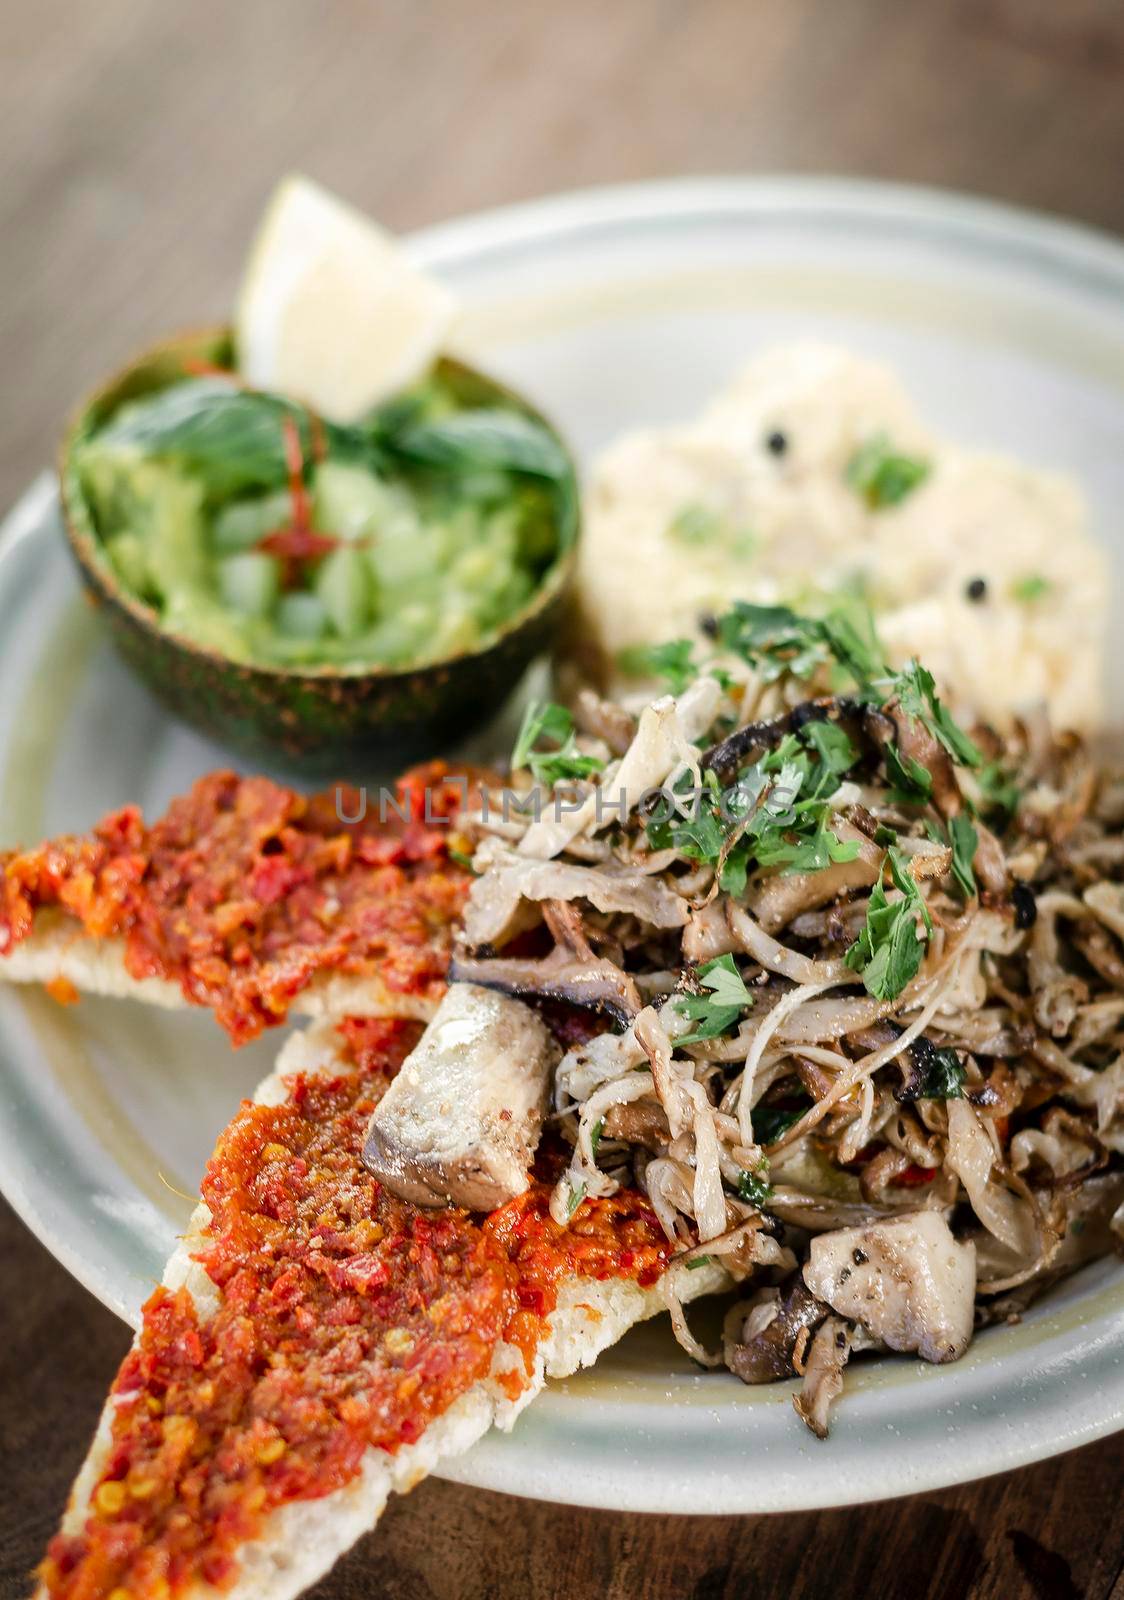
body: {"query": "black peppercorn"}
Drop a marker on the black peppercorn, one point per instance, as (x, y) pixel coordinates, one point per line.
(977, 590)
(776, 442)
(1026, 907)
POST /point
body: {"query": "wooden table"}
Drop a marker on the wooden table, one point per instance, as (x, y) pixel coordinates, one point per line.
(139, 141)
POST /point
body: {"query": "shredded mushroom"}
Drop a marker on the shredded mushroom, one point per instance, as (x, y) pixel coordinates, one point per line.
(847, 983)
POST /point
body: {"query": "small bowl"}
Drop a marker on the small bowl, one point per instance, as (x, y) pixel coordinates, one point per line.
(312, 719)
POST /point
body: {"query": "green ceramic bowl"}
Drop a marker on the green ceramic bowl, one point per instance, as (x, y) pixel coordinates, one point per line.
(311, 719)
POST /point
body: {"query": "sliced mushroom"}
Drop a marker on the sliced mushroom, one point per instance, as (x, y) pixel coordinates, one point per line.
(907, 1280)
(776, 1323)
(597, 985)
(776, 897)
(460, 1123)
(823, 1375)
(496, 909)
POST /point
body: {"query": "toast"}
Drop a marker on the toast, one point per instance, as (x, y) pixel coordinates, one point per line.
(297, 1539)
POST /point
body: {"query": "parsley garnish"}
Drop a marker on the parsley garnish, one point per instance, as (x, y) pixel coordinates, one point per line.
(776, 813)
(695, 523)
(1032, 587)
(776, 639)
(888, 952)
(998, 788)
(916, 693)
(754, 1188)
(720, 1007)
(883, 475)
(769, 1122)
(911, 783)
(673, 661)
(937, 1074)
(964, 839)
(548, 721)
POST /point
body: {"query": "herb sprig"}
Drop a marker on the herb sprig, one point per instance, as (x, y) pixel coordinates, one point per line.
(720, 1007)
(888, 951)
(545, 720)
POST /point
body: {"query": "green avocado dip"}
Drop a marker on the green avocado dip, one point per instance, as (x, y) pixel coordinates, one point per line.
(258, 530)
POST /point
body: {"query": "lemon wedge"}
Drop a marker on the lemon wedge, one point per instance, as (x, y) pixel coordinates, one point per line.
(331, 310)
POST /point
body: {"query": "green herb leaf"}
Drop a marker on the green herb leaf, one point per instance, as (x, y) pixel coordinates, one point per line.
(753, 1187)
(1031, 587)
(673, 661)
(775, 640)
(717, 1010)
(964, 840)
(916, 692)
(545, 720)
(911, 783)
(231, 439)
(883, 475)
(939, 1074)
(998, 788)
(696, 523)
(888, 952)
(698, 1261)
(463, 861)
(577, 1195)
(769, 1122)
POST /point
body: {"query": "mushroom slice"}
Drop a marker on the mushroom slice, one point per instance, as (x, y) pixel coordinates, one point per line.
(460, 1123)
(823, 1374)
(596, 985)
(907, 1280)
(775, 1333)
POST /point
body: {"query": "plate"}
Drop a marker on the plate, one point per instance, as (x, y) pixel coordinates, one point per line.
(614, 308)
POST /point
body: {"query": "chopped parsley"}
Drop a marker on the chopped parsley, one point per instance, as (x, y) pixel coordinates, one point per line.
(883, 475)
(776, 813)
(769, 1122)
(937, 1074)
(544, 720)
(673, 662)
(916, 693)
(696, 523)
(720, 1007)
(1031, 587)
(887, 953)
(754, 1188)
(998, 789)
(964, 840)
(910, 782)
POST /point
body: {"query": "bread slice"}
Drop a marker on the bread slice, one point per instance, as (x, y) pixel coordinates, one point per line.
(59, 950)
(300, 1540)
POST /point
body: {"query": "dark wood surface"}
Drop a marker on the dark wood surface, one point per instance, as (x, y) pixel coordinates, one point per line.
(140, 138)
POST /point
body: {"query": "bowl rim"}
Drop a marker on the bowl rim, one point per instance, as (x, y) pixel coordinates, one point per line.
(83, 540)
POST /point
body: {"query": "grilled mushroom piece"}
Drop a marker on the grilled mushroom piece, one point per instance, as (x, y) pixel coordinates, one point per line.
(460, 1123)
(598, 985)
(906, 1280)
(779, 1324)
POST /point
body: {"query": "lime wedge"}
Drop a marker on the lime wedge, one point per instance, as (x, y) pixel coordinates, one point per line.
(331, 310)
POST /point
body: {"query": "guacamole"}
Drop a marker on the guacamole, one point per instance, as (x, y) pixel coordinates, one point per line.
(258, 530)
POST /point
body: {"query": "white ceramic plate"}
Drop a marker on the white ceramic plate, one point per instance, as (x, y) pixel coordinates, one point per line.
(613, 308)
